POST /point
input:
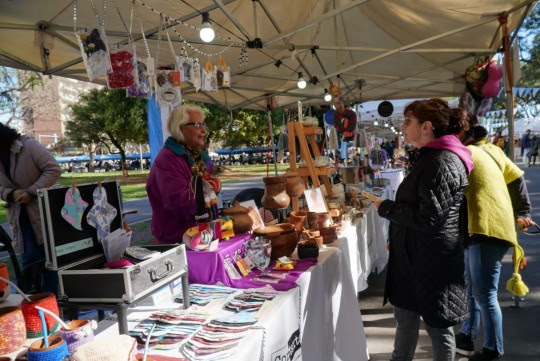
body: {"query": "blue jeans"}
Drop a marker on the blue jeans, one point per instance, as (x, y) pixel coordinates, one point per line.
(483, 263)
(408, 326)
(34, 253)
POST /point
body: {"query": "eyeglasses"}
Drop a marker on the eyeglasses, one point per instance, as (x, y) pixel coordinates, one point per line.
(195, 124)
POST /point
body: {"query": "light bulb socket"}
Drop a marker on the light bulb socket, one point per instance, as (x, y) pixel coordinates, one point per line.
(205, 18)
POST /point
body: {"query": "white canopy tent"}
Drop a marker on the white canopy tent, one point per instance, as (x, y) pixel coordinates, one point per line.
(374, 49)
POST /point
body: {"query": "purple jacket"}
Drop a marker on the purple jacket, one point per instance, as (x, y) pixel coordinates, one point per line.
(170, 196)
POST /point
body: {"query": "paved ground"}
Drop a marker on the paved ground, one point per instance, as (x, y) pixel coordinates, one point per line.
(521, 325)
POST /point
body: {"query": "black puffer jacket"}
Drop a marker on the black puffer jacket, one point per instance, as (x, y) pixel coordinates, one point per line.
(426, 266)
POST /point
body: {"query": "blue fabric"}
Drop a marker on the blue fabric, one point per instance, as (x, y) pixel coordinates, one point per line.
(155, 130)
(484, 269)
(343, 150)
(34, 253)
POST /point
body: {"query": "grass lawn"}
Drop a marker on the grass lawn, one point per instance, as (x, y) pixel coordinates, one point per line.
(133, 186)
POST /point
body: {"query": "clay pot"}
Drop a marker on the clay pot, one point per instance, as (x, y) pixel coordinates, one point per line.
(283, 237)
(328, 231)
(12, 329)
(324, 220)
(275, 196)
(56, 351)
(242, 222)
(298, 219)
(312, 219)
(295, 184)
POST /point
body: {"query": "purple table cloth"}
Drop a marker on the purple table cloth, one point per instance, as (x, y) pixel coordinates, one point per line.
(208, 267)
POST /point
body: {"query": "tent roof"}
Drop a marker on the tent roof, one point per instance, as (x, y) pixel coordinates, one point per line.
(374, 49)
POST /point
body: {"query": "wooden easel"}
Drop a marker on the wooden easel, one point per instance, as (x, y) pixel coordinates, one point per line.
(305, 134)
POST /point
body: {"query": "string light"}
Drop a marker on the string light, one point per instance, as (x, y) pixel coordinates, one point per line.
(206, 33)
(301, 82)
(327, 96)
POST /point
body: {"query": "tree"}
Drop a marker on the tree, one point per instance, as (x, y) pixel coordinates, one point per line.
(13, 83)
(109, 118)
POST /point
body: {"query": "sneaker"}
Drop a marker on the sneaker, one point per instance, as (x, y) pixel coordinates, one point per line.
(485, 355)
(464, 344)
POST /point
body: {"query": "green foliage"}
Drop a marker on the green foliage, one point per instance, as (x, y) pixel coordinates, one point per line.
(12, 83)
(108, 117)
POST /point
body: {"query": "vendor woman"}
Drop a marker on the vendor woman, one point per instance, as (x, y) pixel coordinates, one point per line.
(179, 186)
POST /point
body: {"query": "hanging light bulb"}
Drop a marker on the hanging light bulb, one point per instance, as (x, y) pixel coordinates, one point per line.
(327, 96)
(375, 123)
(301, 82)
(386, 125)
(206, 33)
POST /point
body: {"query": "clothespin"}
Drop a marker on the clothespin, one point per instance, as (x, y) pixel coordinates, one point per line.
(126, 226)
(100, 187)
(74, 185)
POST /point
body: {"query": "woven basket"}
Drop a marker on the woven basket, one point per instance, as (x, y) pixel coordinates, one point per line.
(57, 350)
(12, 330)
(80, 332)
(31, 314)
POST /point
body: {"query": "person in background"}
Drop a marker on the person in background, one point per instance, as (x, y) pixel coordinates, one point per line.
(27, 166)
(425, 275)
(496, 196)
(525, 145)
(534, 150)
(175, 183)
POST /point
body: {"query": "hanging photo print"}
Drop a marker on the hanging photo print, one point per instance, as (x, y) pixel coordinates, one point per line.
(209, 78)
(196, 75)
(185, 67)
(142, 88)
(168, 87)
(223, 74)
(94, 52)
(123, 73)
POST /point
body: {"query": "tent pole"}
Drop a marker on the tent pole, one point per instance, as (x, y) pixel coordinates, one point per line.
(231, 17)
(509, 85)
(269, 105)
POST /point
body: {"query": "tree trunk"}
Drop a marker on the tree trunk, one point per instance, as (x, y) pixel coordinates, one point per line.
(92, 156)
(123, 161)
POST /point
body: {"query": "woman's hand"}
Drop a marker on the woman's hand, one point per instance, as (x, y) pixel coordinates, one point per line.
(377, 203)
(22, 197)
(524, 223)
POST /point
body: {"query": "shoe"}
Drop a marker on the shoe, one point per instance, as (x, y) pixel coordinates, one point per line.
(485, 355)
(464, 344)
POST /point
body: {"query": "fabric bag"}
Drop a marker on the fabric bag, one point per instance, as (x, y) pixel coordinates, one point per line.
(94, 51)
(209, 78)
(223, 74)
(168, 87)
(185, 67)
(142, 88)
(123, 72)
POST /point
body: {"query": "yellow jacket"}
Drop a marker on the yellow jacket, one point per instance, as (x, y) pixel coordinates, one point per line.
(489, 205)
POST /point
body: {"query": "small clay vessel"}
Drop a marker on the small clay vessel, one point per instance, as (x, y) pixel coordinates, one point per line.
(242, 222)
(312, 219)
(298, 219)
(295, 184)
(324, 220)
(275, 195)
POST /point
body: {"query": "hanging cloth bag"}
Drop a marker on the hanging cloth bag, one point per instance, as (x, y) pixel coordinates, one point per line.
(185, 67)
(93, 44)
(143, 88)
(223, 74)
(209, 78)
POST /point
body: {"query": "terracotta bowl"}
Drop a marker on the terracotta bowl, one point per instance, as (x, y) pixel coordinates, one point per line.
(329, 238)
(328, 231)
(284, 244)
(276, 230)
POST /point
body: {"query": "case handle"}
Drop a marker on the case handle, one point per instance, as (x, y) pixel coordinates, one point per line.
(153, 271)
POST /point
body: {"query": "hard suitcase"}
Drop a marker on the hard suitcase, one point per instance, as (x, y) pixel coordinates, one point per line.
(78, 256)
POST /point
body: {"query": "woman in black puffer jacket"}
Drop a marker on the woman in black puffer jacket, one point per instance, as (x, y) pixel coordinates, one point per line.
(425, 275)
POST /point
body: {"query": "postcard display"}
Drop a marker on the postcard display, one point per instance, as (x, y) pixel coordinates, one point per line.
(73, 249)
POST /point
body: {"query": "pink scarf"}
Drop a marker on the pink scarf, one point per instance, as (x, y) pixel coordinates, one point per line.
(452, 143)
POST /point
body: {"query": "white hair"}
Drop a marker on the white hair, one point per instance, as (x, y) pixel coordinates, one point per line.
(180, 116)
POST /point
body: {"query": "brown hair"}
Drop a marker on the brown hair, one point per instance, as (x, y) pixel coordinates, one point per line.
(445, 120)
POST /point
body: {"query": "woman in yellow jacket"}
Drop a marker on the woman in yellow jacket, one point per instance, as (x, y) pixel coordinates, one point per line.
(496, 196)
